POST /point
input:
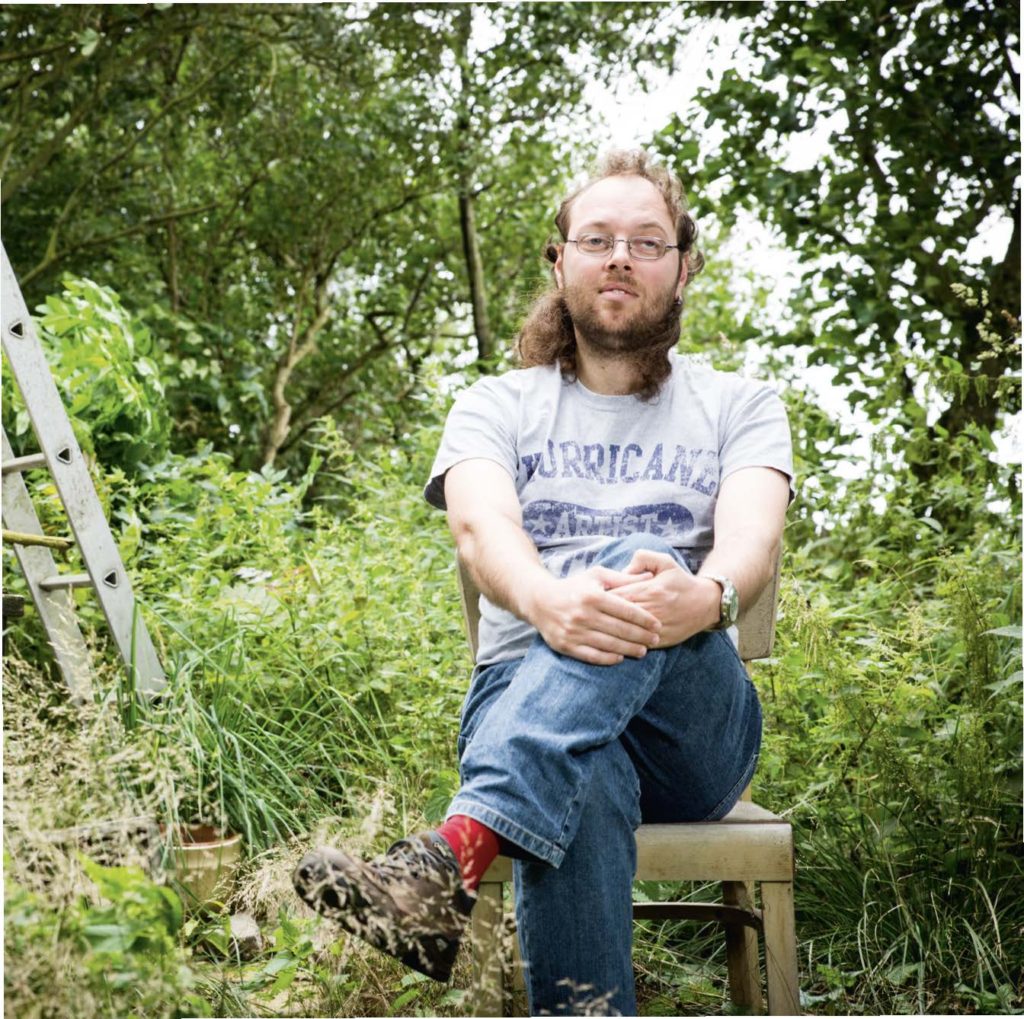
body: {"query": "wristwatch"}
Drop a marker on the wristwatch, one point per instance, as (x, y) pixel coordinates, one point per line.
(730, 608)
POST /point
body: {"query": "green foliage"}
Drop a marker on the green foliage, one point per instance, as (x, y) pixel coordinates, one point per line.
(140, 920)
(107, 373)
(893, 720)
(917, 164)
(301, 610)
(117, 957)
(293, 946)
(283, 186)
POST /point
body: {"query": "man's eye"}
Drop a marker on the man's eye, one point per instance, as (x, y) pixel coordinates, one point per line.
(594, 242)
(646, 245)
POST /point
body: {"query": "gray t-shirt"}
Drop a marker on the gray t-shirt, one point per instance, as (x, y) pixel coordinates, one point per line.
(589, 468)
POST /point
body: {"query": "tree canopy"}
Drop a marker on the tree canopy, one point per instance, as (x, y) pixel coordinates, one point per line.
(311, 197)
(316, 207)
(916, 108)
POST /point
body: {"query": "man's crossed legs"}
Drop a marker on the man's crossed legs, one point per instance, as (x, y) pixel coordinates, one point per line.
(562, 760)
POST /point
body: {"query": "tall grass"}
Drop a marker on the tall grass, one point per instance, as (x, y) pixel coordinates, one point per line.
(894, 744)
(316, 666)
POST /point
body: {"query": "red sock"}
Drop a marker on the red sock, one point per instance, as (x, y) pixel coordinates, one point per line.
(475, 847)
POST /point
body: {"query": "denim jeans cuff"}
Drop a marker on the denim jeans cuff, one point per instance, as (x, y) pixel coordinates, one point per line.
(498, 823)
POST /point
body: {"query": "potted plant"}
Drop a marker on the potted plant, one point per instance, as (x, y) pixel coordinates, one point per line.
(203, 861)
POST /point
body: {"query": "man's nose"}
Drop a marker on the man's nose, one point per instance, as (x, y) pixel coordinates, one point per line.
(612, 258)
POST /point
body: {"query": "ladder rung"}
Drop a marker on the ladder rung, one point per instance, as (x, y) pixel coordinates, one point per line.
(20, 538)
(66, 580)
(24, 463)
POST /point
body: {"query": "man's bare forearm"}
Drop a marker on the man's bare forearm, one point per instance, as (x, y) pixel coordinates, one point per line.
(502, 560)
(748, 528)
(746, 558)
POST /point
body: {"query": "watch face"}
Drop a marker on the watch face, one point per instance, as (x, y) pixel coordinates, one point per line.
(730, 606)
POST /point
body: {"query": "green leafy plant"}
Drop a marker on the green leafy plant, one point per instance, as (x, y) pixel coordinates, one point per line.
(117, 956)
(139, 920)
(293, 949)
(106, 368)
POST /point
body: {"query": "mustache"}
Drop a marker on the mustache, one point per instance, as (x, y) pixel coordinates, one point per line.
(619, 277)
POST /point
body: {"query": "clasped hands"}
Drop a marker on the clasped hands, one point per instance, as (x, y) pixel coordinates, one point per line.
(601, 616)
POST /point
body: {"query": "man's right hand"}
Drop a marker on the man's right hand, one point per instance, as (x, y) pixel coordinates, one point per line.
(581, 617)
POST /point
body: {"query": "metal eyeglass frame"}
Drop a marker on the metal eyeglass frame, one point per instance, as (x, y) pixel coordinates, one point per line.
(628, 241)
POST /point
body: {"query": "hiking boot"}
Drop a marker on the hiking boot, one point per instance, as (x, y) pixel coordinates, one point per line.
(410, 902)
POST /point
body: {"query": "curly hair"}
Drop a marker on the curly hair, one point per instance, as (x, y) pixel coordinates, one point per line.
(548, 336)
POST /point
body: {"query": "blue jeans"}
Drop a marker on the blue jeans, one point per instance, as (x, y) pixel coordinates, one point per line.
(563, 760)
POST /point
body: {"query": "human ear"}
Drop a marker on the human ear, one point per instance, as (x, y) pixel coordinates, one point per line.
(557, 269)
(683, 274)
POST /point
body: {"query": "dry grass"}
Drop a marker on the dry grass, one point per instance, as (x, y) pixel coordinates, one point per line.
(66, 771)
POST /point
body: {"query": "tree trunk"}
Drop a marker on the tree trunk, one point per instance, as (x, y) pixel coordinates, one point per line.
(298, 350)
(467, 215)
(475, 276)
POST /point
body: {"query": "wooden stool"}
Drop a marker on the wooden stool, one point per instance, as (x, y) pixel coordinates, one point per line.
(749, 846)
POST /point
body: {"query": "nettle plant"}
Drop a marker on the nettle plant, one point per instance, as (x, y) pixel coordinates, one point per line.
(103, 361)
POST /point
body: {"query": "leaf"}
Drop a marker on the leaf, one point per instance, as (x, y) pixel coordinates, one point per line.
(285, 979)
(900, 974)
(278, 964)
(173, 906)
(1000, 685)
(88, 40)
(403, 999)
(1007, 631)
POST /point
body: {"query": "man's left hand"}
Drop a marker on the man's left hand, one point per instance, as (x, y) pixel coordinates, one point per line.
(682, 603)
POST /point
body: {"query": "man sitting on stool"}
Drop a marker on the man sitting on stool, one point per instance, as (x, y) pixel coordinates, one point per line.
(615, 504)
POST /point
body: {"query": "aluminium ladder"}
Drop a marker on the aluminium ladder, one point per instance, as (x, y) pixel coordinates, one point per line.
(52, 591)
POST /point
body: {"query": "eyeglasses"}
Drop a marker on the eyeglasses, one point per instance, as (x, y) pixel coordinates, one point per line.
(649, 248)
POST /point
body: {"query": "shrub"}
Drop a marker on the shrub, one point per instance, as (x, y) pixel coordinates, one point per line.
(118, 956)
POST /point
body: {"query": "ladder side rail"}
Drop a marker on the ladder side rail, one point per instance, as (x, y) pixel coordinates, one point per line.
(55, 608)
(71, 476)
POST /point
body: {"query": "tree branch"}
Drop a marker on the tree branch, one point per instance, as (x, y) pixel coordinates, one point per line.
(298, 350)
(93, 242)
(318, 407)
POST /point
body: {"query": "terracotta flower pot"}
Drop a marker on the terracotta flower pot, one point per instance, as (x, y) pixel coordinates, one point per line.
(204, 861)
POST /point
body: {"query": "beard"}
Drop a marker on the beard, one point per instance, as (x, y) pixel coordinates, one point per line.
(650, 329)
(641, 341)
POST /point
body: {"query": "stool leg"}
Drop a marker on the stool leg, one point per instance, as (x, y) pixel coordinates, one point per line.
(485, 997)
(518, 970)
(780, 947)
(741, 951)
